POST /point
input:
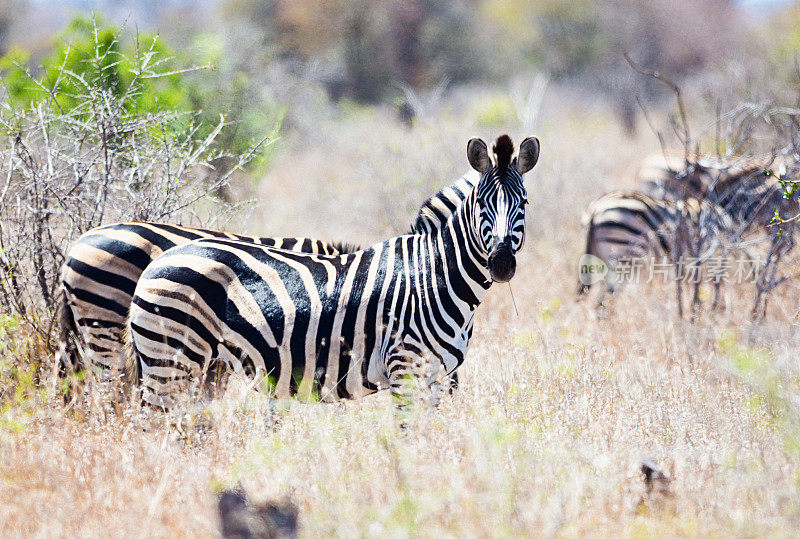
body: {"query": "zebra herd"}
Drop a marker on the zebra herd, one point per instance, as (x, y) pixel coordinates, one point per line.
(681, 200)
(170, 308)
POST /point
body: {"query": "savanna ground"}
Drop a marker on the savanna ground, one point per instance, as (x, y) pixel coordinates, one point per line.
(557, 406)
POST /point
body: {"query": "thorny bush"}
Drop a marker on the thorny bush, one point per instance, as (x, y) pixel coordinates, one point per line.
(67, 168)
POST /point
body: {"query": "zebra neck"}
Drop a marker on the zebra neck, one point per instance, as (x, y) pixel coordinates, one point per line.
(454, 255)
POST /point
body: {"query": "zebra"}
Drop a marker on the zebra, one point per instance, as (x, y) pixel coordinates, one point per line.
(751, 190)
(334, 326)
(748, 189)
(99, 276)
(111, 258)
(629, 225)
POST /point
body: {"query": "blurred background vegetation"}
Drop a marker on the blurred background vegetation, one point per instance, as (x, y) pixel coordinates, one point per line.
(377, 51)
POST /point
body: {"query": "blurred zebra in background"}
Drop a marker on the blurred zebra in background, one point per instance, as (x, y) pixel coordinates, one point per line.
(719, 203)
(623, 226)
(748, 189)
(332, 326)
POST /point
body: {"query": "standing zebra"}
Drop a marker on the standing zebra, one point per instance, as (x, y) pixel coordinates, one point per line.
(100, 274)
(711, 196)
(628, 225)
(342, 326)
(748, 189)
(103, 266)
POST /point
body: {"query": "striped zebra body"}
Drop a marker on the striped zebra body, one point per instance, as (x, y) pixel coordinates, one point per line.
(747, 189)
(730, 196)
(627, 225)
(751, 192)
(100, 274)
(340, 326)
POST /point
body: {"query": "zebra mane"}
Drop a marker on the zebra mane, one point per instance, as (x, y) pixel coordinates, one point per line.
(419, 224)
(345, 248)
(503, 148)
(435, 211)
(427, 219)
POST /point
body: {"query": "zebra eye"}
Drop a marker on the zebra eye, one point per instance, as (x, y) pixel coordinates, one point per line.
(523, 203)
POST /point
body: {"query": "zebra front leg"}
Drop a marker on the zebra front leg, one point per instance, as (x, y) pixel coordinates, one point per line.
(453, 382)
(414, 380)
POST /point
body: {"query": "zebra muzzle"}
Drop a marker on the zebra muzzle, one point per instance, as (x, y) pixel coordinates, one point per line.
(502, 263)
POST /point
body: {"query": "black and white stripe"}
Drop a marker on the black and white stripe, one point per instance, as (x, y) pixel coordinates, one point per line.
(627, 225)
(435, 211)
(751, 192)
(748, 189)
(100, 274)
(103, 266)
(337, 326)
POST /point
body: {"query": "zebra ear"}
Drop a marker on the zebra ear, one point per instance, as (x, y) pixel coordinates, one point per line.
(478, 155)
(528, 154)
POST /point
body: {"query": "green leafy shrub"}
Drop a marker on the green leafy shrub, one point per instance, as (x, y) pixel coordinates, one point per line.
(97, 136)
(148, 77)
(89, 52)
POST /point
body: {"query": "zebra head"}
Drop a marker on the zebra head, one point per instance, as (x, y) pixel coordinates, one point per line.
(501, 198)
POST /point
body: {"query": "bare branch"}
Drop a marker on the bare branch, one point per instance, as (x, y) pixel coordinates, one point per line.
(676, 89)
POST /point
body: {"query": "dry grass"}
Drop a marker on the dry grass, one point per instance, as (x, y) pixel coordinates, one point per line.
(557, 406)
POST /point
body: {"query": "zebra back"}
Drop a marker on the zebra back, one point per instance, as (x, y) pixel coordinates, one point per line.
(747, 188)
(672, 176)
(751, 192)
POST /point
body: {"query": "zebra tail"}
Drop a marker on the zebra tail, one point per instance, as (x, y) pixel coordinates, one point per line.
(131, 374)
(68, 356)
